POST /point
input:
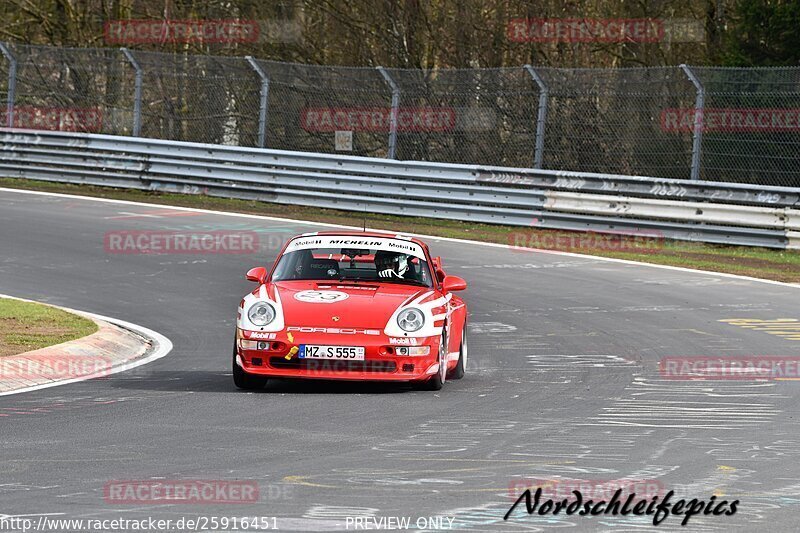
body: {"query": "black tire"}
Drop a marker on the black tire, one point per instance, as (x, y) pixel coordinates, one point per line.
(242, 379)
(460, 369)
(437, 381)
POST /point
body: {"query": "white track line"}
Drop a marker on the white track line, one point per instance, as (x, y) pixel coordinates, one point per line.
(431, 237)
(162, 343)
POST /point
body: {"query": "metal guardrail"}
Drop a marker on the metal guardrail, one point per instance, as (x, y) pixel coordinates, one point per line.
(705, 191)
(696, 211)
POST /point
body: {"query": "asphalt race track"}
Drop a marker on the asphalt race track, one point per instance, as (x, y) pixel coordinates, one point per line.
(563, 382)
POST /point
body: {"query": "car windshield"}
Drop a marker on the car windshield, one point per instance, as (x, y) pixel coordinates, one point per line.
(381, 260)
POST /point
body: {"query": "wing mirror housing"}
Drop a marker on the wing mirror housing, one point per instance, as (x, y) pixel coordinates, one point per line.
(453, 283)
(257, 274)
(436, 262)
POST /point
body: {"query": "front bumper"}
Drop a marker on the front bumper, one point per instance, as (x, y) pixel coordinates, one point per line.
(276, 357)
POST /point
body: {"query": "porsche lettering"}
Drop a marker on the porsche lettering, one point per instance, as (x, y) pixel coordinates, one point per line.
(335, 331)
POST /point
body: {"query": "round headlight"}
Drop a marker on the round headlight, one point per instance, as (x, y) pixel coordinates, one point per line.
(261, 314)
(410, 320)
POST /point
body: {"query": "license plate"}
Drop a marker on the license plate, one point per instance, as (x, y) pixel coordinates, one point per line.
(315, 351)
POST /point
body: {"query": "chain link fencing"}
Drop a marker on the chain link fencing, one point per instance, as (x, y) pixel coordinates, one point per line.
(66, 89)
(720, 124)
(752, 125)
(308, 104)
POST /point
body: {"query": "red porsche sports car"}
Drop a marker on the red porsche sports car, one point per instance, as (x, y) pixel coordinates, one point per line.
(352, 306)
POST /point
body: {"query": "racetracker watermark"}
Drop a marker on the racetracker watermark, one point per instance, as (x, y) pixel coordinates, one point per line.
(61, 522)
(181, 491)
(181, 242)
(180, 31)
(53, 367)
(377, 119)
(584, 30)
(641, 242)
(596, 489)
(755, 367)
(732, 120)
(141, 31)
(86, 120)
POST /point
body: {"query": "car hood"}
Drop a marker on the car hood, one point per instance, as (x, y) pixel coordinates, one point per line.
(348, 305)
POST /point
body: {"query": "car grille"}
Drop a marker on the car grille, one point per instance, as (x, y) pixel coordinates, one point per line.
(333, 366)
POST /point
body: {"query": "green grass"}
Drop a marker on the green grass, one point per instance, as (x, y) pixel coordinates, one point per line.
(764, 263)
(28, 326)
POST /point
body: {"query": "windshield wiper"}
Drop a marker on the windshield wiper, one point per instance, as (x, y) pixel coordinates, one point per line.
(343, 279)
(402, 281)
(397, 281)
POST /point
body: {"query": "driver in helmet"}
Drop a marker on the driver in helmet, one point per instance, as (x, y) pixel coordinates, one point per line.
(391, 264)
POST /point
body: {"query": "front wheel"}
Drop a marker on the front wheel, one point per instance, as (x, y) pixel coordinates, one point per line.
(437, 381)
(242, 379)
(461, 367)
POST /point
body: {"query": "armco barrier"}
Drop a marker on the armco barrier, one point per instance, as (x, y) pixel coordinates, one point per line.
(697, 211)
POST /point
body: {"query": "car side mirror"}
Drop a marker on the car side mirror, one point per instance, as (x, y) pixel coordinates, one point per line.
(437, 267)
(453, 283)
(257, 274)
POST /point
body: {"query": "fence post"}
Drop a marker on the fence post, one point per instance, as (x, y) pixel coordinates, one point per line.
(12, 84)
(137, 93)
(541, 118)
(395, 107)
(699, 106)
(262, 110)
